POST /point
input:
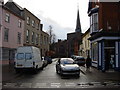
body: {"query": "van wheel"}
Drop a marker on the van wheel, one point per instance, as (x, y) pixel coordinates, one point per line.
(42, 67)
(35, 70)
(17, 70)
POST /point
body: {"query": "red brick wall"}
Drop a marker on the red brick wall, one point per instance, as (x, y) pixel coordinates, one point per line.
(109, 16)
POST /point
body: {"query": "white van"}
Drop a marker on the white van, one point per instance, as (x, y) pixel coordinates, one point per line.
(28, 57)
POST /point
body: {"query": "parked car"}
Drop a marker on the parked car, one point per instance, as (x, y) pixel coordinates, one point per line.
(73, 56)
(49, 60)
(80, 60)
(28, 57)
(66, 66)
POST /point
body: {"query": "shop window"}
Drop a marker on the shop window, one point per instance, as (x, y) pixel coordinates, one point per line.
(94, 51)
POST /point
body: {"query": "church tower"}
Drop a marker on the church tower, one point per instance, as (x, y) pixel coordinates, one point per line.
(78, 25)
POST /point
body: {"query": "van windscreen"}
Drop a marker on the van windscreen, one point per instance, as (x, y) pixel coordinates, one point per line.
(20, 56)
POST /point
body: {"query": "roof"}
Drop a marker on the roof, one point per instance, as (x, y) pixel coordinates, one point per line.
(32, 14)
(6, 8)
(19, 7)
(88, 31)
(13, 7)
(93, 10)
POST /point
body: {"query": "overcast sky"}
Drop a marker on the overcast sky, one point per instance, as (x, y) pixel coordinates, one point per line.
(61, 14)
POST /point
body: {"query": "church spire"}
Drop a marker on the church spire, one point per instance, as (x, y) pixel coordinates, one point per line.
(78, 25)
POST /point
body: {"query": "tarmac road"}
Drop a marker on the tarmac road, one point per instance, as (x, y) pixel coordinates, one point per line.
(48, 79)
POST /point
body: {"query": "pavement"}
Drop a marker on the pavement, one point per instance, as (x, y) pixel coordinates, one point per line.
(110, 75)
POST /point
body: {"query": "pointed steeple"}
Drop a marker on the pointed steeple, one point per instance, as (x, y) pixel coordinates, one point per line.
(78, 25)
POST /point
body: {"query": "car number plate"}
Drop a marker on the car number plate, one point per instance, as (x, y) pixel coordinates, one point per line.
(19, 65)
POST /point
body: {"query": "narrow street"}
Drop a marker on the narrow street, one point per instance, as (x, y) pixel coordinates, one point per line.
(47, 78)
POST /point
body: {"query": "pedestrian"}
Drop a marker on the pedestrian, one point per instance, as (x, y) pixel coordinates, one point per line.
(88, 62)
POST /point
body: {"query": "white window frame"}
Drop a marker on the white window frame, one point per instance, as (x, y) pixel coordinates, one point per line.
(19, 23)
(93, 23)
(33, 23)
(37, 26)
(6, 34)
(28, 20)
(19, 38)
(33, 37)
(7, 17)
(27, 35)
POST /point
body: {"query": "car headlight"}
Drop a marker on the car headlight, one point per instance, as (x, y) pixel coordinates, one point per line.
(77, 68)
(63, 68)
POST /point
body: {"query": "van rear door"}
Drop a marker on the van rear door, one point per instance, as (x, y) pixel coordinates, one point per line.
(20, 60)
(24, 60)
(28, 60)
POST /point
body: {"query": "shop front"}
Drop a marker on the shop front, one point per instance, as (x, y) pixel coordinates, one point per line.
(105, 53)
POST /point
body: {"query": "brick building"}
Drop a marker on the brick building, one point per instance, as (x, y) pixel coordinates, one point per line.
(33, 34)
(11, 33)
(74, 39)
(105, 34)
(59, 48)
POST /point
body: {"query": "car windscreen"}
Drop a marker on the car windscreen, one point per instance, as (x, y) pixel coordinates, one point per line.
(20, 56)
(66, 61)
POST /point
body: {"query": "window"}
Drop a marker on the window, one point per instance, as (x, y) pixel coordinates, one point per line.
(20, 56)
(37, 26)
(28, 56)
(7, 17)
(19, 23)
(95, 51)
(94, 23)
(19, 38)
(27, 35)
(47, 40)
(32, 37)
(44, 40)
(6, 33)
(28, 20)
(41, 39)
(33, 23)
(37, 38)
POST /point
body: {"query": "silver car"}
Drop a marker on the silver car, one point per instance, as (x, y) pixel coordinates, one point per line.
(66, 66)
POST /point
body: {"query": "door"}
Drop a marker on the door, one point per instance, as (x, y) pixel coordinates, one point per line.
(109, 58)
(20, 60)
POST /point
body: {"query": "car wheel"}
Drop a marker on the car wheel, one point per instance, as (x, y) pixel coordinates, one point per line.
(78, 75)
(61, 72)
(42, 67)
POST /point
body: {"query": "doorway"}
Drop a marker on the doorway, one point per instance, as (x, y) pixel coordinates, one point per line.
(109, 58)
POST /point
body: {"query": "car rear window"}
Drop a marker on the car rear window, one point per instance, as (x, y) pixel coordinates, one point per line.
(81, 59)
(66, 61)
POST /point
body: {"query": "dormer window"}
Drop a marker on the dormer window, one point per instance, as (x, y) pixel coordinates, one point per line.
(94, 23)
